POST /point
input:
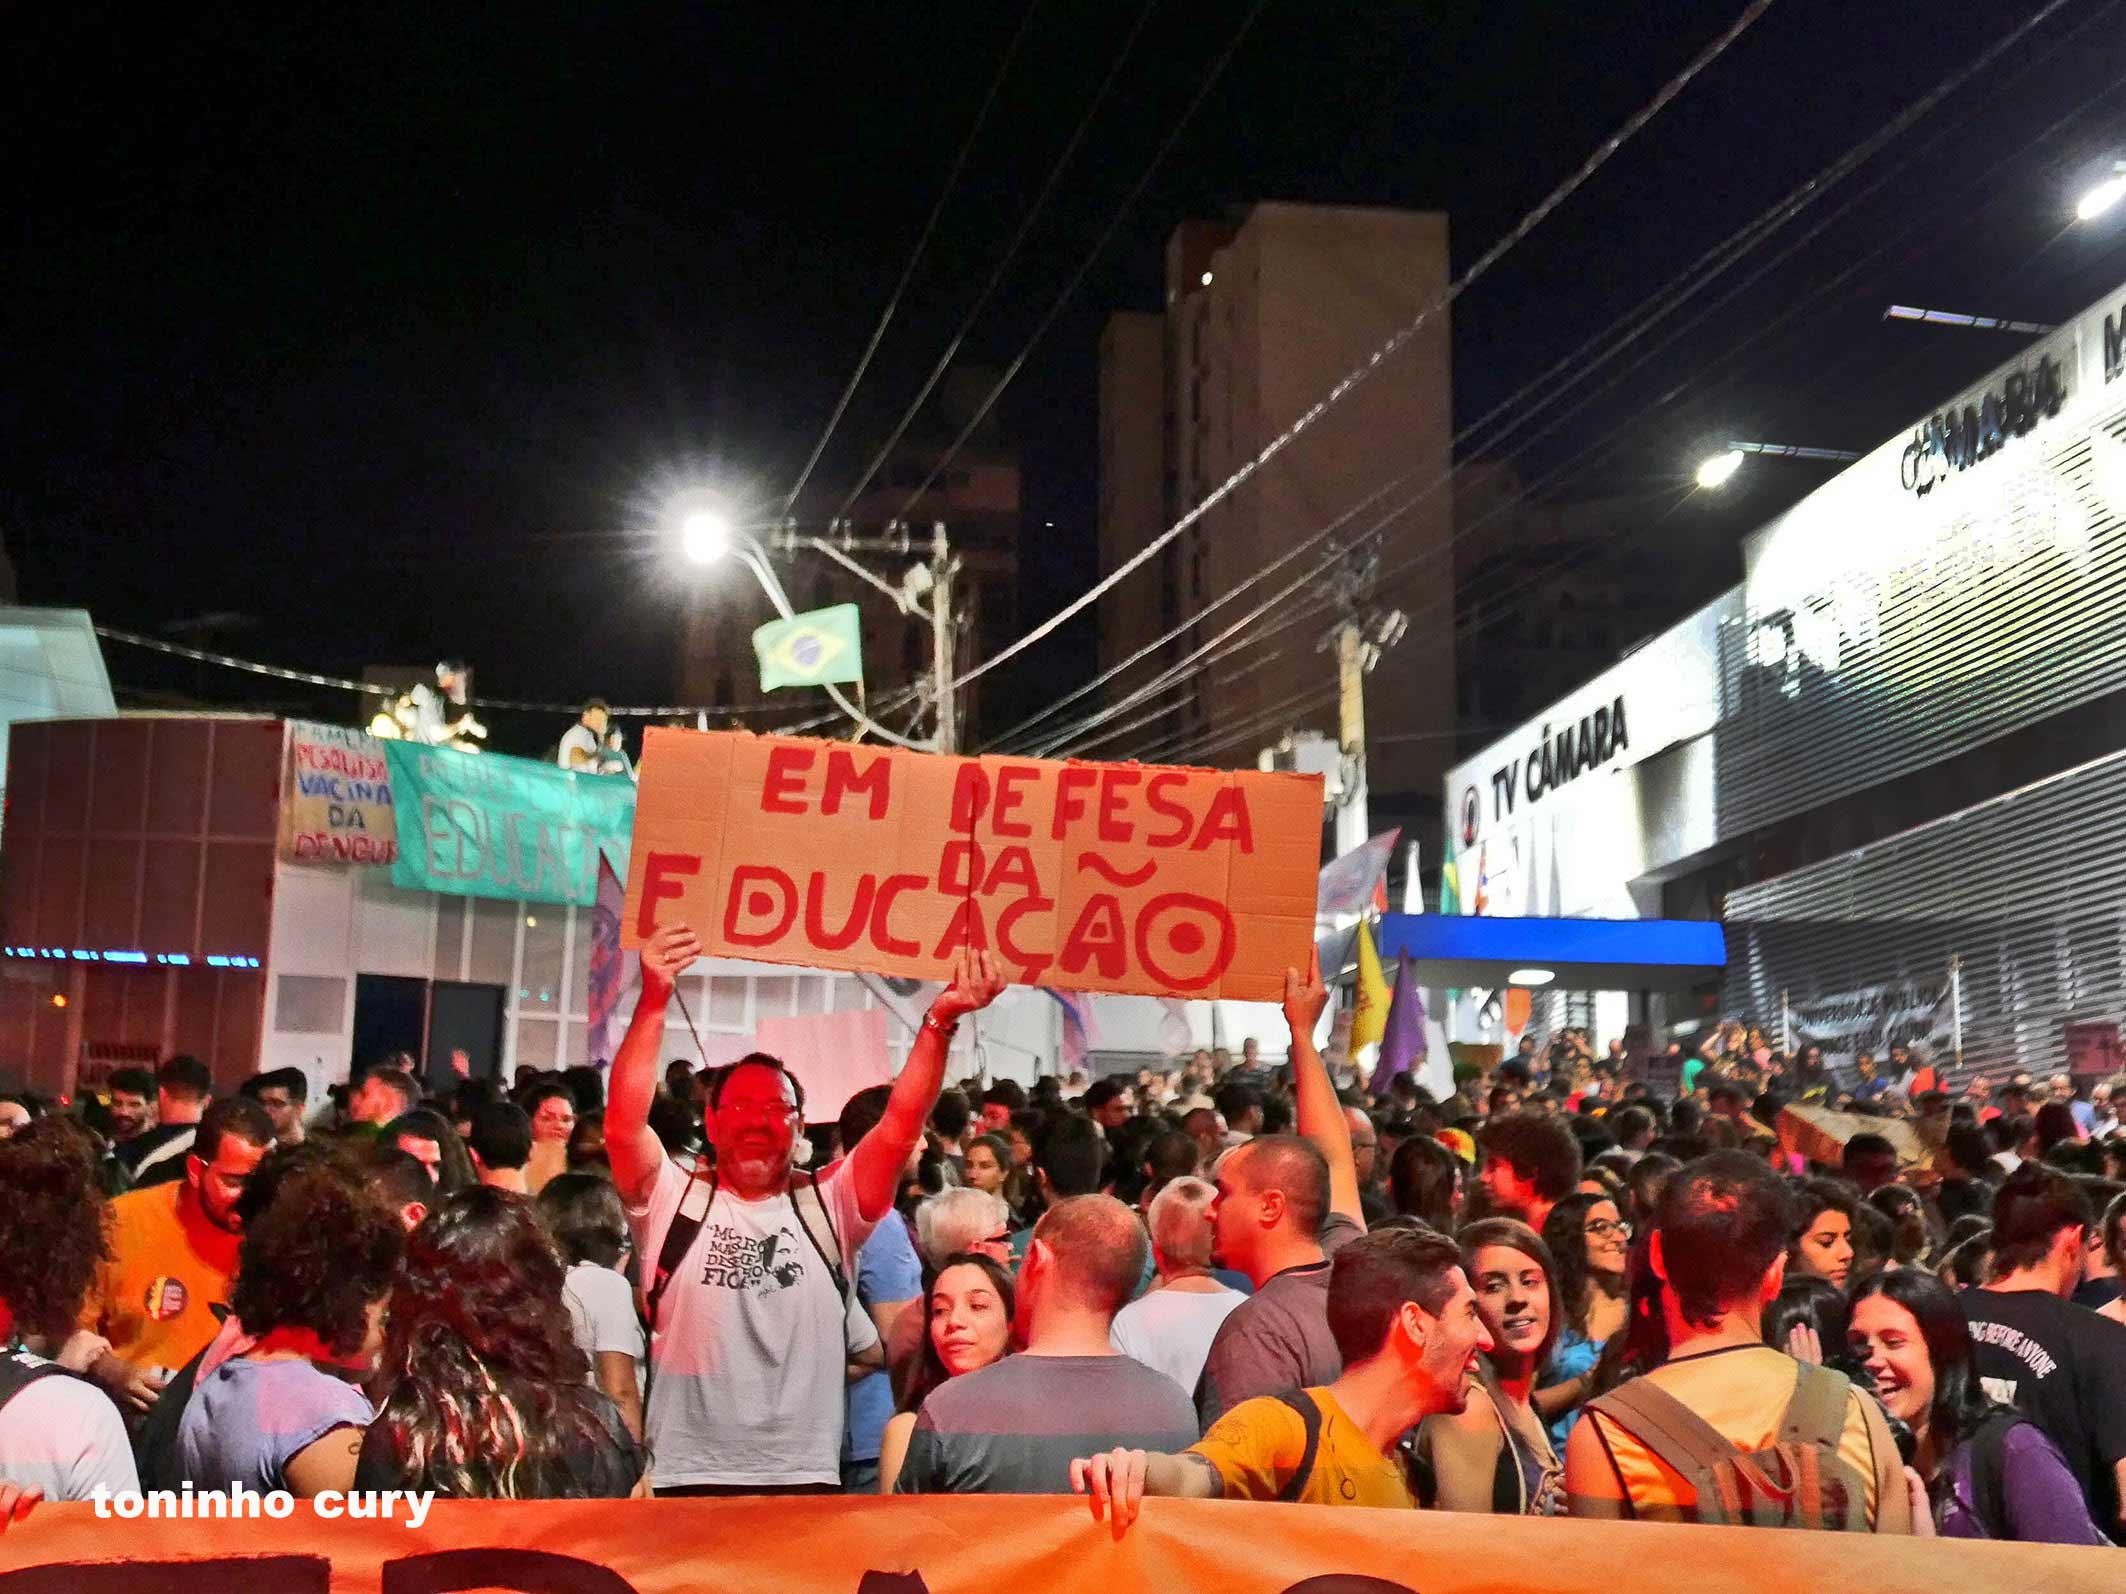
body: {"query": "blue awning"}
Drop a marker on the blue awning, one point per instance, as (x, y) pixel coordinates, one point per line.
(1581, 954)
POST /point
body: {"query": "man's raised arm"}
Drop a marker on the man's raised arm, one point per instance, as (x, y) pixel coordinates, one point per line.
(630, 1144)
(1319, 1115)
(876, 1161)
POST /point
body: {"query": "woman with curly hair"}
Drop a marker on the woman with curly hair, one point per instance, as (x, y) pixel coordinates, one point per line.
(276, 1404)
(60, 1437)
(488, 1396)
(1590, 1241)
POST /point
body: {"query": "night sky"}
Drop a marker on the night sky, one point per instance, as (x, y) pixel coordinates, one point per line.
(378, 325)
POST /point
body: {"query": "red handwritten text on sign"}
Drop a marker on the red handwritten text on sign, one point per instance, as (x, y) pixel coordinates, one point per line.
(1116, 877)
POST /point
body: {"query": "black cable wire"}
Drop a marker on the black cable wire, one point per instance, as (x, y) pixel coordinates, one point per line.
(1396, 341)
(1649, 313)
(922, 242)
(1003, 266)
(1098, 248)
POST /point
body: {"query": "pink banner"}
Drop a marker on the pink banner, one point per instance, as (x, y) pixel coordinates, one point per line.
(834, 1054)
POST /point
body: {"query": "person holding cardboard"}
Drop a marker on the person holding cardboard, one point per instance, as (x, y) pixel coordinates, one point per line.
(748, 1265)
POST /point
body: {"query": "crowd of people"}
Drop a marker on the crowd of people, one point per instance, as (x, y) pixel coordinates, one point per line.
(1556, 1291)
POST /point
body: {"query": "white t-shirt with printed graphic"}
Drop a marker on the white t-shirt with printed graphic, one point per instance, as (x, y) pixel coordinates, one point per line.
(749, 1357)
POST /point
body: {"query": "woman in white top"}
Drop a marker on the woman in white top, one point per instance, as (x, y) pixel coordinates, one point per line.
(583, 1212)
(60, 1437)
(1170, 1329)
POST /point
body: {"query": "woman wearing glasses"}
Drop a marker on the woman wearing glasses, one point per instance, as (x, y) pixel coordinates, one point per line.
(1590, 1240)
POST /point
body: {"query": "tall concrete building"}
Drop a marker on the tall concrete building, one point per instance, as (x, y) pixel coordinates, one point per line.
(1263, 316)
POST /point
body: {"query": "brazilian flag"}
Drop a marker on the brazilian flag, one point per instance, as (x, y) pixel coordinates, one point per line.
(811, 649)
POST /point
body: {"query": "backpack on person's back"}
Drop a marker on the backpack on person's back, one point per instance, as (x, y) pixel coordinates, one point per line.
(1799, 1481)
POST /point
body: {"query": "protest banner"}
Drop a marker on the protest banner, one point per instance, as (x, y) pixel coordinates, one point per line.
(1819, 1134)
(336, 802)
(1105, 877)
(487, 825)
(975, 1544)
(1873, 1018)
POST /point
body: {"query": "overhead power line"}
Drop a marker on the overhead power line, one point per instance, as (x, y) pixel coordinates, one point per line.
(1395, 342)
(341, 683)
(1099, 247)
(1576, 368)
(1601, 446)
(922, 242)
(1011, 251)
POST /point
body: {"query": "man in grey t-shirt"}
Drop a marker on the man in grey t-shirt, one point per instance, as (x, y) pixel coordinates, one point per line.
(1015, 1427)
(1268, 1222)
(1286, 1204)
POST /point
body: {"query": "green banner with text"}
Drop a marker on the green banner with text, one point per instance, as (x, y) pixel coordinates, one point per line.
(488, 825)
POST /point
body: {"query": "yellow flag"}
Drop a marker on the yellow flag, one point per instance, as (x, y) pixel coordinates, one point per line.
(1369, 1015)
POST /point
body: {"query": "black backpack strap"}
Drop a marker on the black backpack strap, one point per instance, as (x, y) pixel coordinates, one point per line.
(155, 1443)
(678, 1240)
(1310, 1416)
(832, 1258)
(1989, 1459)
(19, 1369)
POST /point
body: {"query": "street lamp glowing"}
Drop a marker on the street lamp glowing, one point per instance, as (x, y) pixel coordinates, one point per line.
(2102, 197)
(705, 537)
(1715, 471)
(1531, 978)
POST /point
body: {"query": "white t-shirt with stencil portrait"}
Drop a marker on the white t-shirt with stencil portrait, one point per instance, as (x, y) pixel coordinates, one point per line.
(749, 1358)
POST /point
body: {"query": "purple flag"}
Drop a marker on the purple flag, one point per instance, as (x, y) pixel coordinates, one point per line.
(607, 972)
(1402, 1045)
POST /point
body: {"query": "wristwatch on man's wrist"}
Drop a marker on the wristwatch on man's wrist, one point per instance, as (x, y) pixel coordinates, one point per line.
(946, 1030)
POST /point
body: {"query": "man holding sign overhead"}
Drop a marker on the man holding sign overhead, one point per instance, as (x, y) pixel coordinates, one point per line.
(747, 1269)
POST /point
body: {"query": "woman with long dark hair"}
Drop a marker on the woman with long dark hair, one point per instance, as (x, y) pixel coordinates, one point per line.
(1990, 1473)
(421, 1128)
(488, 1396)
(1590, 1242)
(1425, 1182)
(1822, 1246)
(584, 1214)
(970, 1306)
(1494, 1455)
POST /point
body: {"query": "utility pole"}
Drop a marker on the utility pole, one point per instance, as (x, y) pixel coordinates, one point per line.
(1359, 636)
(925, 593)
(1351, 821)
(944, 565)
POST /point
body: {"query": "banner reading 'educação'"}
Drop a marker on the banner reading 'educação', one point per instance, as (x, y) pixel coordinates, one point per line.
(1102, 877)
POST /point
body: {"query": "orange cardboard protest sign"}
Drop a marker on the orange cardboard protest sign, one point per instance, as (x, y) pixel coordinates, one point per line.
(975, 1544)
(1093, 877)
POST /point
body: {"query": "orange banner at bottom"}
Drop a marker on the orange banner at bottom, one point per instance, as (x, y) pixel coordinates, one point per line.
(983, 1544)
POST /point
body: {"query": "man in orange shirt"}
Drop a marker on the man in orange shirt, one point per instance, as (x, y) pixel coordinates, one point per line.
(173, 1249)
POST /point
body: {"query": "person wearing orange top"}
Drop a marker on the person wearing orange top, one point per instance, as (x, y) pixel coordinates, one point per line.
(173, 1249)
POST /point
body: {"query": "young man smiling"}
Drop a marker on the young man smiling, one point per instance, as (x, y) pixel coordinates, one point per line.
(1406, 1322)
